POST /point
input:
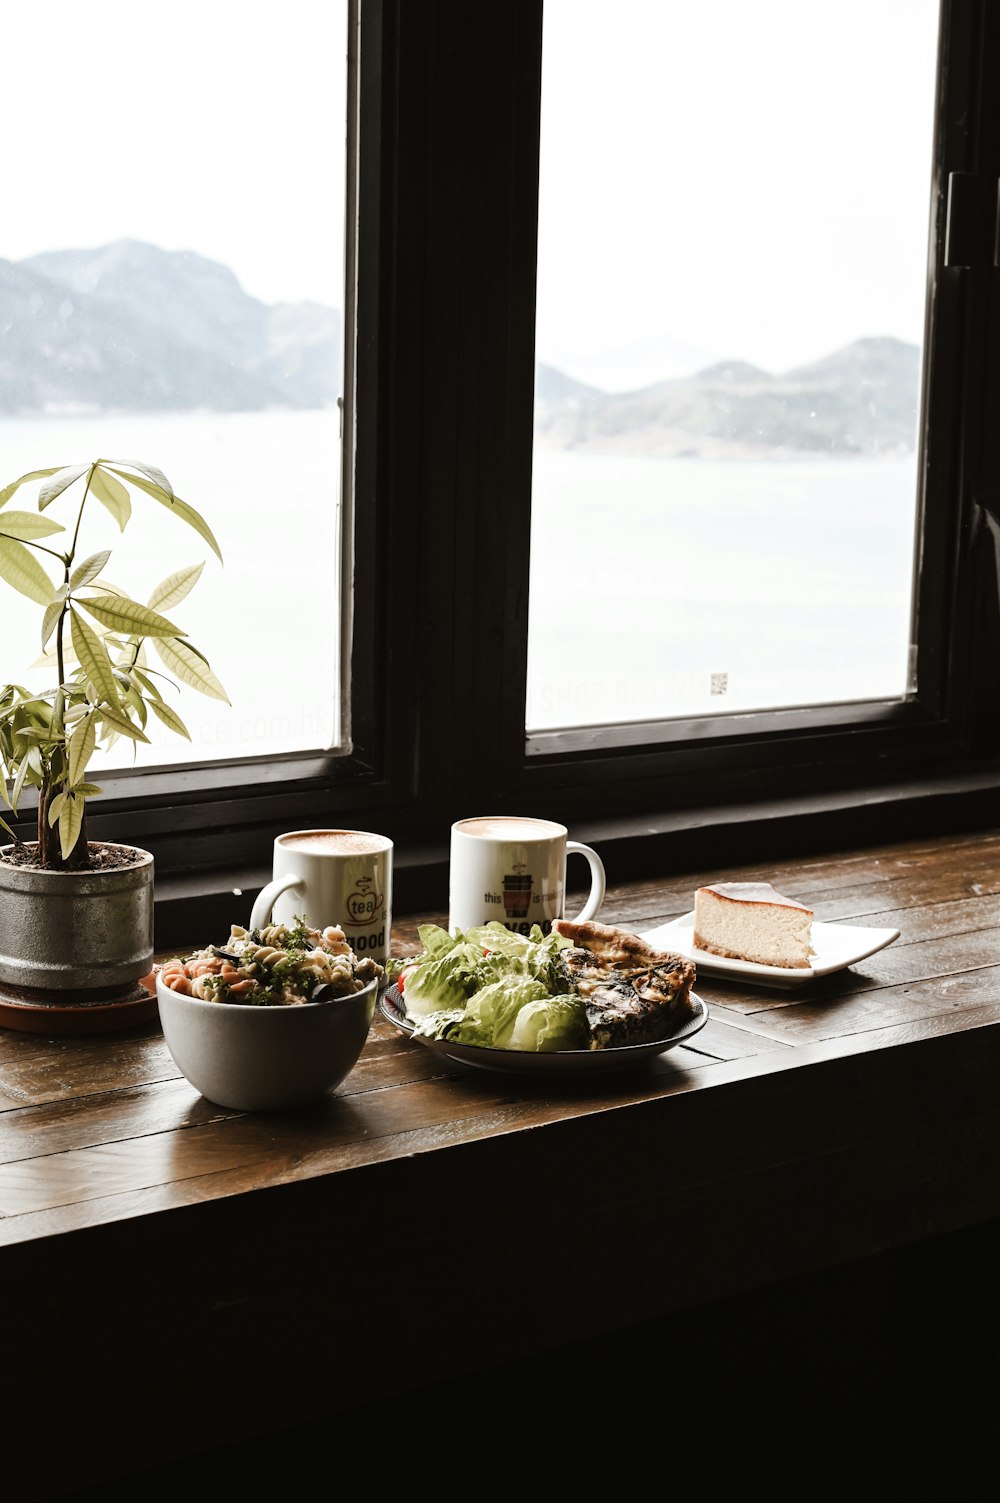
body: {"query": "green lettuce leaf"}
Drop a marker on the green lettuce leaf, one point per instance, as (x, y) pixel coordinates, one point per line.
(550, 1024)
(493, 988)
(446, 979)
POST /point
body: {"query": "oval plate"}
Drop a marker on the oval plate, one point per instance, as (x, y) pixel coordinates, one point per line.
(835, 947)
(559, 1061)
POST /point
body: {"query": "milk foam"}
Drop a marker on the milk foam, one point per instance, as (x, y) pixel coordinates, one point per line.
(501, 827)
(335, 842)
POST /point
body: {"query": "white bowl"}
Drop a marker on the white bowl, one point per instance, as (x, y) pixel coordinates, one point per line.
(261, 1059)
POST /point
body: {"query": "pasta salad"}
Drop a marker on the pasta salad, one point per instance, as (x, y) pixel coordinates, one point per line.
(277, 965)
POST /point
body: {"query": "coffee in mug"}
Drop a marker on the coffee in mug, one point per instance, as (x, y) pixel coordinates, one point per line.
(341, 877)
(513, 870)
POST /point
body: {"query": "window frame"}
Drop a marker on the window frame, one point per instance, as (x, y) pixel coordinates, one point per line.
(438, 428)
(793, 752)
(927, 715)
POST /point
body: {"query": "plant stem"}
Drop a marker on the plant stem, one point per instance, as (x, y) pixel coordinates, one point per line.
(43, 823)
(67, 566)
(79, 515)
(59, 646)
(49, 849)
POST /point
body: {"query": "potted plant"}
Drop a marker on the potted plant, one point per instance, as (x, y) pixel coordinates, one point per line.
(76, 915)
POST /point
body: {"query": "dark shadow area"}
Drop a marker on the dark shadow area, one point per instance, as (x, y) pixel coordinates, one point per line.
(884, 1374)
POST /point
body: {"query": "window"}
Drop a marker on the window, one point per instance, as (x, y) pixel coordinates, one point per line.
(731, 291)
(864, 733)
(173, 293)
(447, 545)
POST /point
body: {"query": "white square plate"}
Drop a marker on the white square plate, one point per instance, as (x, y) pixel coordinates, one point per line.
(836, 945)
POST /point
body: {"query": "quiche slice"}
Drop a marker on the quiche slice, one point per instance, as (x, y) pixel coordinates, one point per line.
(633, 994)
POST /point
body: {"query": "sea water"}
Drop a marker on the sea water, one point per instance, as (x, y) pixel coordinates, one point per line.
(659, 587)
(671, 587)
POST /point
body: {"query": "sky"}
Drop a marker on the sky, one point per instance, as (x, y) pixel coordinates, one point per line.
(715, 177)
(202, 125)
(723, 179)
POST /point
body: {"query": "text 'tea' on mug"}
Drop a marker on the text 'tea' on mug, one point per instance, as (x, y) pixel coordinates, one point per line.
(339, 877)
(512, 870)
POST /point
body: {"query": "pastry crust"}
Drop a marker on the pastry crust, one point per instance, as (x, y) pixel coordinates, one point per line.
(633, 993)
(754, 892)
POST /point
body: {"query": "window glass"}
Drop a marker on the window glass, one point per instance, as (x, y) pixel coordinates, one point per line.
(732, 262)
(171, 291)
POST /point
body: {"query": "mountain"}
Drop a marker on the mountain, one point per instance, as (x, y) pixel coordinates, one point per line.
(130, 325)
(64, 350)
(861, 399)
(552, 386)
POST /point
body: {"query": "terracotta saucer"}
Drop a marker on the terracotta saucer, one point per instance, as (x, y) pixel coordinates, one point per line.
(32, 1013)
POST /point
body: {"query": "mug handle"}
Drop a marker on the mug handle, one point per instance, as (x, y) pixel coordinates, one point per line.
(267, 895)
(598, 881)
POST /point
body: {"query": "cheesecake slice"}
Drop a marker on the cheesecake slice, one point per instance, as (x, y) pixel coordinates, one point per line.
(752, 921)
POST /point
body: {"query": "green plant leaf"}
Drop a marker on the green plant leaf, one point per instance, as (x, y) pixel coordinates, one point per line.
(190, 667)
(88, 571)
(5, 826)
(52, 613)
(15, 792)
(138, 704)
(122, 614)
(50, 659)
(60, 482)
(118, 721)
(94, 660)
(28, 524)
(70, 821)
(81, 748)
(21, 569)
(149, 470)
(112, 495)
(88, 790)
(169, 717)
(179, 508)
(55, 807)
(147, 683)
(15, 485)
(172, 590)
(30, 708)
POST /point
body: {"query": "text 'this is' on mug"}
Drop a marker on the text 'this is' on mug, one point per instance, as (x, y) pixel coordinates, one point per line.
(514, 871)
(329, 877)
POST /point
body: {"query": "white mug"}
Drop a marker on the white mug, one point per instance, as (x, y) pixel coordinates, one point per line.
(514, 870)
(341, 877)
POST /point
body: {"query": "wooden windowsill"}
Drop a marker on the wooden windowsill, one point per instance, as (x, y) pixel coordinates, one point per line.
(798, 1131)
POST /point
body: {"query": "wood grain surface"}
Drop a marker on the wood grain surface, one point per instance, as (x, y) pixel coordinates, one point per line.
(798, 1131)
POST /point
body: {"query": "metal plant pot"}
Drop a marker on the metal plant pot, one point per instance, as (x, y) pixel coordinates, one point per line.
(77, 931)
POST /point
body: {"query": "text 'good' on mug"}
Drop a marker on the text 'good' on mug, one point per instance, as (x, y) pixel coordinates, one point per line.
(513, 870)
(341, 877)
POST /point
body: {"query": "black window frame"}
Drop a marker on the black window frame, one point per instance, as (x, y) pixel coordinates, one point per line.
(439, 422)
